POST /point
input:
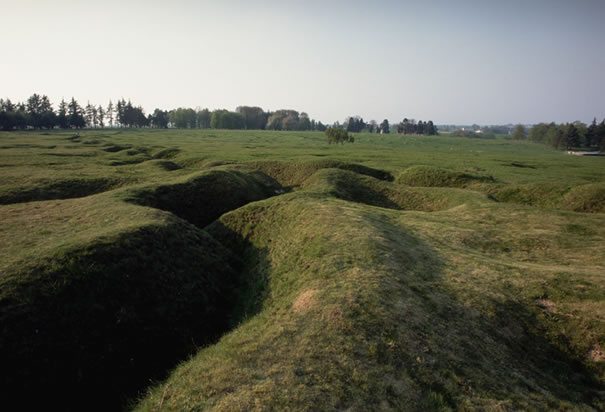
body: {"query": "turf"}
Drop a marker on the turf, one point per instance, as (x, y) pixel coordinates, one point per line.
(395, 273)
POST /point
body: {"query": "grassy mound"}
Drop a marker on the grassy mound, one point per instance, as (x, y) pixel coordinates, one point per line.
(110, 147)
(344, 294)
(107, 297)
(368, 190)
(348, 309)
(161, 164)
(67, 188)
(588, 198)
(204, 196)
(110, 294)
(167, 153)
(295, 173)
(429, 176)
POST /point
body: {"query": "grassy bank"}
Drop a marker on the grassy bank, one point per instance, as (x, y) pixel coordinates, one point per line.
(398, 272)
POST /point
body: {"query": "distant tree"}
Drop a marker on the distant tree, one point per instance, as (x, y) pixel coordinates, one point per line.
(372, 126)
(538, 132)
(119, 112)
(590, 134)
(224, 119)
(203, 119)
(519, 132)
(254, 117)
(6, 105)
(184, 118)
(95, 117)
(555, 136)
(6, 120)
(283, 120)
(304, 123)
(88, 114)
(572, 136)
(159, 119)
(430, 129)
(384, 127)
(14, 119)
(62, 119)
(75, 115)
(404, 126)
(133, 116)
(110, 112)
(48, 117)
(20, 117)
(140, 120)
(34, 111)
(599, 139)
(101, 116)
(354, 124)
(7, 115)
(291, 121)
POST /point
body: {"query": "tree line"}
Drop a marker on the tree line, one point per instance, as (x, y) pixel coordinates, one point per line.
(38, 113)
(409, 126)
(244, 117)
(356, 124)
(565, 136)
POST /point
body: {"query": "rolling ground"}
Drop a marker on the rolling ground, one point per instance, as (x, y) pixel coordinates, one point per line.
(235, 270)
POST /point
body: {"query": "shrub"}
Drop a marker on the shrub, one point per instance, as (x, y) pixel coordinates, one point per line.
(338, 135)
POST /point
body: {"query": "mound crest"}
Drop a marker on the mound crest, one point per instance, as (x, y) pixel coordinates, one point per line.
(428, 176)
(344, 309)
(113, 294)
(99, 318)
(161, 164)
(60, 189)
(295, 173)
(353, 187)
(588, 198)
(203, 197)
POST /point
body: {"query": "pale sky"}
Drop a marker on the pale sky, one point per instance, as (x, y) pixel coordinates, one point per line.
(454, 62)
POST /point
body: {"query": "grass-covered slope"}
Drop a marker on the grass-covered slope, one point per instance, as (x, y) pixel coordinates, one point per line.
(579, 198)
(98, 317)
(588, 198)
(354, 187)
(473, 281)
(356, 308)
(293, 174)
(428, 176)
(97, 296)
(202, 197)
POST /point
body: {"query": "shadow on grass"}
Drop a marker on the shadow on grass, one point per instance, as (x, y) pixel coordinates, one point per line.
(458, 355)
(89, 329)
(108, 321)
(61, 189)
(510, 356)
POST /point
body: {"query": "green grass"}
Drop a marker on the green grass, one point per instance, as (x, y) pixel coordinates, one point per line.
(395, 273)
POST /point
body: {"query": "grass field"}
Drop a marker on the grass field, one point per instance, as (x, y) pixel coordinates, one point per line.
(251, 270)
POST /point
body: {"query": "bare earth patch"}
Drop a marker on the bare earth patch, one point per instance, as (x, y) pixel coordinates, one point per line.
(596, 354)
(304, 301)
(547, 305)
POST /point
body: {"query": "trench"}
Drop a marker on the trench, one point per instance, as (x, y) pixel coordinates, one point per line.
(113, 317)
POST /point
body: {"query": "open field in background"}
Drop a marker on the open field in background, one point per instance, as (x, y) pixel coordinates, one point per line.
(241, 270)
